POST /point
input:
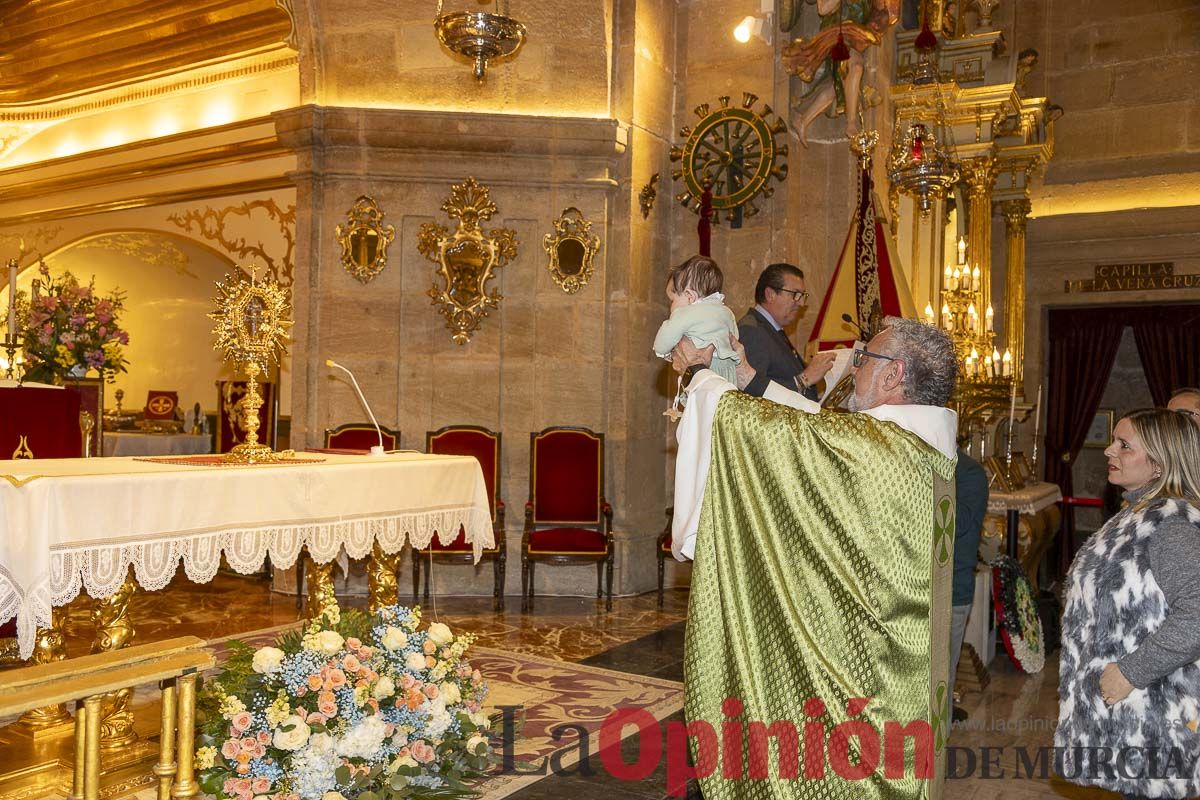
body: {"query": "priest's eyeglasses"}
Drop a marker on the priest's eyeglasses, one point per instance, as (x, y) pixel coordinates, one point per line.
(862, 354)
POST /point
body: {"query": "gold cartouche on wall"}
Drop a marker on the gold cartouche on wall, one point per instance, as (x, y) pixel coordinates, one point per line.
(364, 239)
(466, 259)
(572, 249)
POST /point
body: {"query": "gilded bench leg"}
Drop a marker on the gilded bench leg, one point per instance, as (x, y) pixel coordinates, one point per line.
(381, 578)
(114, 630)
(165, 768)
(91, 747)
(185, 783)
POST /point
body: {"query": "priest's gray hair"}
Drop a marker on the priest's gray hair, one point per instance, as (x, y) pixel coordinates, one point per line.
(930, 363)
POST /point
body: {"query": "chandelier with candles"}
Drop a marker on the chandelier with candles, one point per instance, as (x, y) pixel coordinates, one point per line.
(971, 325)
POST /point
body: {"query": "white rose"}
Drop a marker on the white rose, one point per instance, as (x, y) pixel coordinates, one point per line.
(473, 744)
(439, 634)
(449, 692)
(330, 642)
(480, 720)
(294, 737)
(384, 687)
(415, 661)
(394, 638)
(321, 743)
(268, 661)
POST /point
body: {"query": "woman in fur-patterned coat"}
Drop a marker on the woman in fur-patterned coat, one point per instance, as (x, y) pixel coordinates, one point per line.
(1129, 685)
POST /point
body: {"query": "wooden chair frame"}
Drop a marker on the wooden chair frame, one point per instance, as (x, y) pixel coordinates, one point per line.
(499, 557)
(603, 526)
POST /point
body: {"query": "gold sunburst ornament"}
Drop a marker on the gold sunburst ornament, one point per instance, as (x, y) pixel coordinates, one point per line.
(253, 320)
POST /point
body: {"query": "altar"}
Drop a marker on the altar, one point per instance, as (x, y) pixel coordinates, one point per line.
(108, 526)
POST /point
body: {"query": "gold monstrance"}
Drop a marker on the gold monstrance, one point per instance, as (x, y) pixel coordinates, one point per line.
(252, 318)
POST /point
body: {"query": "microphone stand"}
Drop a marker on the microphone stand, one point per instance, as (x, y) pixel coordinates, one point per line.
(377, 449)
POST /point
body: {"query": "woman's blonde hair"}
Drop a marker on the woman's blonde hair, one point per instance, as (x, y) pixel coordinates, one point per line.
(1172, 443)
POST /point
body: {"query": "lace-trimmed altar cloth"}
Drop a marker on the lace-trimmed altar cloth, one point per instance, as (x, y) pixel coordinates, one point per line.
(70, 524)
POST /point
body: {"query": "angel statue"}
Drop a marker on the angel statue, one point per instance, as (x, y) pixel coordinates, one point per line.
(835, 85)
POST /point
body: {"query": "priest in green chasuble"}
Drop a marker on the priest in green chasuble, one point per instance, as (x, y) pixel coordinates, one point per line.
(818, 637)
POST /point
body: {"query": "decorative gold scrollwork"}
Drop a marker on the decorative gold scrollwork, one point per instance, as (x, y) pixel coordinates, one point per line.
(22, 450)
(572, 248)
(364, 239)
(466, 259)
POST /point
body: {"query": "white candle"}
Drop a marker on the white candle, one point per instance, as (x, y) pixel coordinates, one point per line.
(12, 298)
(947, 277)
(962, 250)
(955, 277)
(947, 320)
(1007, 363)
(928, 314)
(990, 313)
(1037, 426)
(975, 279)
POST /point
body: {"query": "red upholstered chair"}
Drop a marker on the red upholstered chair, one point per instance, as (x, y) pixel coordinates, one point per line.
(567, 519)
(360, 436)
(484, 445)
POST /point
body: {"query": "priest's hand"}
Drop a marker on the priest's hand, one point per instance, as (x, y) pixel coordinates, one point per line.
(1114, 687)
(821, 363)
(686, 355)
(744, 373)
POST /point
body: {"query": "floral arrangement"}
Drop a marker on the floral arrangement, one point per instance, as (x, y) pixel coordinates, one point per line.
(1017, 615)
(354, 707)
(69, 328)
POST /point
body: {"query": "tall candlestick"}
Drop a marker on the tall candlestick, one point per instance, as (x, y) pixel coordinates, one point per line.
(1037, 428)
(12, 298)
(1012, 421)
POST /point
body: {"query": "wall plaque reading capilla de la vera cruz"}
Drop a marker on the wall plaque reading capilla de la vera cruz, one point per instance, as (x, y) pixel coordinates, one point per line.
(466, 259)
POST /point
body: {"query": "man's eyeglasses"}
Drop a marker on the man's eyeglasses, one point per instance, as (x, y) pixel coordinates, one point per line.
(862, 354)
(797, 294)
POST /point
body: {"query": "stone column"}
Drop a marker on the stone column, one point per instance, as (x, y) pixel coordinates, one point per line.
(980, 176)
(1016, 214)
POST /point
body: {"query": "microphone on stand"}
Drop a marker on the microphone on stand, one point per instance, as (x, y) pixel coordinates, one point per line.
(847, 318)
(377, 449)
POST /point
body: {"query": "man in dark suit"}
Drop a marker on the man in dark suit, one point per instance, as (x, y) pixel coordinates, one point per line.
(779, 297)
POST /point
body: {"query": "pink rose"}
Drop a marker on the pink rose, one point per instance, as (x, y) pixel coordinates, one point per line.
(429, 647)
(260, 786)
(351, 663)
(407, 681)
(228, 785)
(241, 721)
(264, 737)
(422, 752)
(365, 652)
(249, 743)
(242, 786)
(231, 748)
(326, 704)
(431, 691)
(353, 644)
(316, 719)
(337, 679)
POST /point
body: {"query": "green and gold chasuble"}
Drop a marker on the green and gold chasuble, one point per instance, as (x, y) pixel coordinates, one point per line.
(820, 594)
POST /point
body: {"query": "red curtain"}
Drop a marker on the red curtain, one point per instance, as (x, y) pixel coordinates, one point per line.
(1083, 346)
(1168, 342)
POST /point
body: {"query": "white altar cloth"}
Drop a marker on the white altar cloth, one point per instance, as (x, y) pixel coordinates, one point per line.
(73, 523)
